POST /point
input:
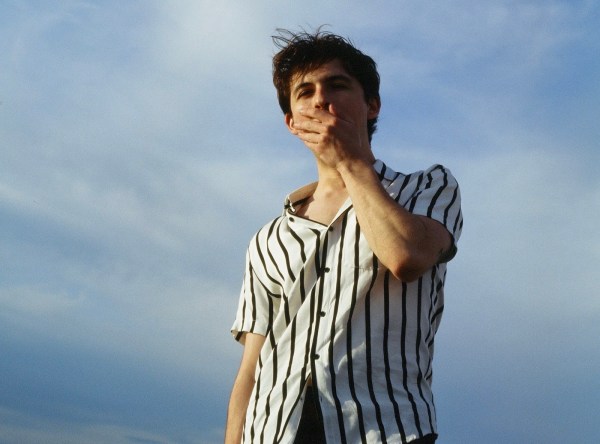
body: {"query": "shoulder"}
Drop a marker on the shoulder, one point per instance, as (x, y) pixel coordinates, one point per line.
(434, 184)
(409, 183)
(265, 231)
(434, 174)
(260, 242)
(439, 171)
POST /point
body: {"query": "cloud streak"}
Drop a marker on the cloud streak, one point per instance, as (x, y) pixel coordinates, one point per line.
(142, 146)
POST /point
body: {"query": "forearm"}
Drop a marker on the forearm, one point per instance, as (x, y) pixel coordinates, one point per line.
(236, 412)
(242, 388)
(403, 242)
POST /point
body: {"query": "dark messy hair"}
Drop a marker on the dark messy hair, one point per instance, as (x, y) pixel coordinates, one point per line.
(302, 52)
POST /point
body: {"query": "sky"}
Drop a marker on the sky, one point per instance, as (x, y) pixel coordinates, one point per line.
(141, 146)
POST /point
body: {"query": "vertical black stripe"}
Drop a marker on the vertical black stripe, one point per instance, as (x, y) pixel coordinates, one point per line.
(307, 346)
(403, 186)
(268, 400)
(280, 255)
(286, 308)
(438, 193)
(285, 381)
(253, 298)
(274, 365)
(413, 200)
(303, 257)
(458, 222)
(315, 309)
(381, 175)
(317, 250)
(349, 357)
(403, 347)
(301, 244)
(262, 257)
(317, 300)
(285, 252)
(314, 294)
(269, 253)
(240, 333)
(369, 359)
(418, 353)
(433, 314)
(332, 367)
(386, 353)
(450, 205)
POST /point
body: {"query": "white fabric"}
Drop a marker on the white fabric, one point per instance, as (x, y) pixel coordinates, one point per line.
(329, 309)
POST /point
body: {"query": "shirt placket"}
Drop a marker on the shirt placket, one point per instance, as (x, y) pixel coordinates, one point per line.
(323, 311)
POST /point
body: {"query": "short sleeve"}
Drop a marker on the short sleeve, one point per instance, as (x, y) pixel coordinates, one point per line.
(255, 307)
(437, 196)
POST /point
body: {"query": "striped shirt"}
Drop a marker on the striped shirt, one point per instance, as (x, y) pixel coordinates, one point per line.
(330, 310)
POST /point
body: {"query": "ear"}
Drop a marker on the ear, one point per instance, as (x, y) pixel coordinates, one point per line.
(289, 122)
(374, 106)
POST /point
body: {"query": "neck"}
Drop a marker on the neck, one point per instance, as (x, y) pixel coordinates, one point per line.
(330, 181)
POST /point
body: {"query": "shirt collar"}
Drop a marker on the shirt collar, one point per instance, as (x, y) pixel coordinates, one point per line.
(297, 197)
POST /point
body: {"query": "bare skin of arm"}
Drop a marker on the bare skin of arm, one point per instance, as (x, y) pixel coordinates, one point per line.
(407, 244)
(242, 388)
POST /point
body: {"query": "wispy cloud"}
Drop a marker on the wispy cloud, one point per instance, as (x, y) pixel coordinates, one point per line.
(142, 146)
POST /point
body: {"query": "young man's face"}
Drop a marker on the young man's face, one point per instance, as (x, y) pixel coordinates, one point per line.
(331, 88)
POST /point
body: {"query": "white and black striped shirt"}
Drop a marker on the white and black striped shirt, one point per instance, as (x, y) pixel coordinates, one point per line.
(329, 309)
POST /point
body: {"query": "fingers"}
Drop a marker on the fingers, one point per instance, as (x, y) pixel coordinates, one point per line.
(306, 125)
(307, 130)
(322, 114)
(318, 127)
(316, 114)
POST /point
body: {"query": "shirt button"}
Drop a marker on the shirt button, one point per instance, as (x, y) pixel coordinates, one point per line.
(330, 228)
(316, 356)
(322, 314)
(326, 269)
(291, 219)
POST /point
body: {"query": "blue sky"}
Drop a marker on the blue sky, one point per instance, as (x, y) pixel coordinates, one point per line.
(141, 146)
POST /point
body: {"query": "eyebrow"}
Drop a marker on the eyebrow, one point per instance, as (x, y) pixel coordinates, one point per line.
(330, 79)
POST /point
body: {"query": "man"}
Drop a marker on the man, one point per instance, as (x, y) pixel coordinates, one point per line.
(342, 293)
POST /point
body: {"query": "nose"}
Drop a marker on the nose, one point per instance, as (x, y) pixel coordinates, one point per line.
(320, 98)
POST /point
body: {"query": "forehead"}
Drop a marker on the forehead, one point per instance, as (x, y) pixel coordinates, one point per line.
(321, 72)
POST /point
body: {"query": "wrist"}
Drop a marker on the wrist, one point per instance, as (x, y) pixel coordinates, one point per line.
(353, 166)
(357, 168)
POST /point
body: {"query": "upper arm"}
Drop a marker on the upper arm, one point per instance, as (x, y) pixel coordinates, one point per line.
(252, 345)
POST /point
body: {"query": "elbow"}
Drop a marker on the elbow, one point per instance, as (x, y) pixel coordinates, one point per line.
(406, 274)
(408, 268)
